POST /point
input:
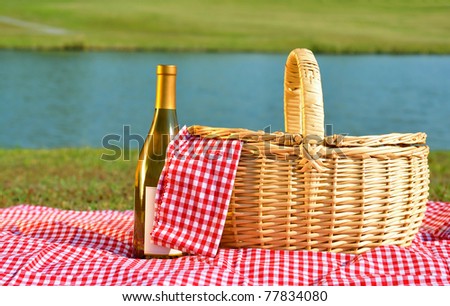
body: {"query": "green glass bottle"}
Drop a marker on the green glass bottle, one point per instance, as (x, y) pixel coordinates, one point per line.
(151, 162)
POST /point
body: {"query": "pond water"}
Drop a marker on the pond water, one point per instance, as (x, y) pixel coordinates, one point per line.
(75, 99)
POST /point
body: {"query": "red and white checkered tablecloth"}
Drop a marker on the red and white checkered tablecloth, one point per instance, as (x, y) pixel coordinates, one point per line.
(47, 246)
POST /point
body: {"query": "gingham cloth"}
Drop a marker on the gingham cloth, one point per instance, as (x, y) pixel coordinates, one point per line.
(48, 246)
(194, 191)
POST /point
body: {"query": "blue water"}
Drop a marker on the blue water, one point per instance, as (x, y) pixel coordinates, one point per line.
(73, 99)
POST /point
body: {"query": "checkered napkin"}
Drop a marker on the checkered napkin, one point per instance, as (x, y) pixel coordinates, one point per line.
(194, 191)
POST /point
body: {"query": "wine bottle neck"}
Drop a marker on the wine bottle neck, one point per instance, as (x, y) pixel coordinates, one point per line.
(166, 87)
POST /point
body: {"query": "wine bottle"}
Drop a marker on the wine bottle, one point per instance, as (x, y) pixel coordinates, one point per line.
(151, 162)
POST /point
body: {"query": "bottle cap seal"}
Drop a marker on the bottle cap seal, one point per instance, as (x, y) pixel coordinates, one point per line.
(166, 69)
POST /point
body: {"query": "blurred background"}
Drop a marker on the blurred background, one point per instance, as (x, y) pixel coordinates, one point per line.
(74, 72)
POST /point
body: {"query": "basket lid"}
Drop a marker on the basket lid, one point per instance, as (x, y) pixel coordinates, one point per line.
(376, 140)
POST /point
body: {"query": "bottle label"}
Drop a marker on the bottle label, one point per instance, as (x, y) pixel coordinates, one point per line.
(149, 247)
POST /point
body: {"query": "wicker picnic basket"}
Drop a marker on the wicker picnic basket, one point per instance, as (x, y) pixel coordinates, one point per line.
(302, 190)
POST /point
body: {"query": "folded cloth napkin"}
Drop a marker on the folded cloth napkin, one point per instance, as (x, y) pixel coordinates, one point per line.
(194, 192)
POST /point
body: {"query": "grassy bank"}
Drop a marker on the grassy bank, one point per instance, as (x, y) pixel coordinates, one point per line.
(79, 179)
(66, 178)
(332, 26)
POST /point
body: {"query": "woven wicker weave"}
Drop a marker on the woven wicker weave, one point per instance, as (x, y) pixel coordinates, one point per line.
(300, 190)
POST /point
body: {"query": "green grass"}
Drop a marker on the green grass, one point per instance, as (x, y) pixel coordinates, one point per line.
(328, 26)
(79, 179)
(439, 163)
(66, 178)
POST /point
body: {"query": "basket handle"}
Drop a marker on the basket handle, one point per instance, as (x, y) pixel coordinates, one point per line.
(303, 100)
